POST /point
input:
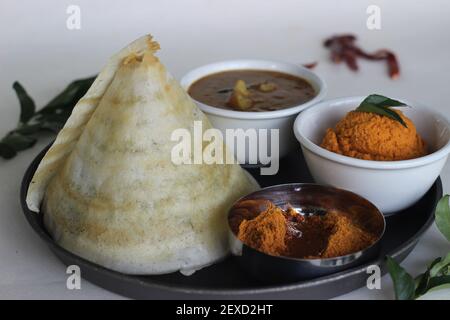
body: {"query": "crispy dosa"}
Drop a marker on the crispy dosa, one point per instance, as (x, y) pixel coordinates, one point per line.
(108, 189)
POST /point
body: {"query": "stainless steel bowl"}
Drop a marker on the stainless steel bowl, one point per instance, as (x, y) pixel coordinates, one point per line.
(312, 198)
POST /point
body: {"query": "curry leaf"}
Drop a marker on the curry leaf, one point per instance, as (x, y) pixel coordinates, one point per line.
(404, 285)
(52, 126)
(27, 106)
(437, 273)
(441, 267)
(442, 215)
(51, 117)
(440, 292)
(383, 101)
(6, 151)
(28, 129)
(379, 104)
(19, 142)
(423, 281)
(437, 281)
(73, 92)
(371, 108)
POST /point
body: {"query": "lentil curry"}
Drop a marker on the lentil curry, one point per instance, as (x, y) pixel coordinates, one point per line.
(252, 90)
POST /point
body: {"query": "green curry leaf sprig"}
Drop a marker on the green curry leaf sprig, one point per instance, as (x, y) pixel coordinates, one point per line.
(380, 105)
(437, 273)
(51, 117)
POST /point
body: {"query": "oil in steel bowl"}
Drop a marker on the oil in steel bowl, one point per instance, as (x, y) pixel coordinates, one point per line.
(306, 199)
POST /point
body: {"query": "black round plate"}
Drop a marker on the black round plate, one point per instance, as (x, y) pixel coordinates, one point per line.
(225, 280)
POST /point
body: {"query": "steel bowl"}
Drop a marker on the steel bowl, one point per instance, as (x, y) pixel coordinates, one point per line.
(313, 199)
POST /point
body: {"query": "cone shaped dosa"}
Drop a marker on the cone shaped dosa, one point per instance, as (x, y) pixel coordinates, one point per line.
(108, 189)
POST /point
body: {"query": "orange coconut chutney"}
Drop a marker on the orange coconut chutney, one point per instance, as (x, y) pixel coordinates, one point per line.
(370, 136)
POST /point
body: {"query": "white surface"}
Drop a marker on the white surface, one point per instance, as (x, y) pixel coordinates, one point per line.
(38, 50)
(390, 185)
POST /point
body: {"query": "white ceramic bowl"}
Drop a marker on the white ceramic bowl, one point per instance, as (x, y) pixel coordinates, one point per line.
(390, 185)
(280, 119)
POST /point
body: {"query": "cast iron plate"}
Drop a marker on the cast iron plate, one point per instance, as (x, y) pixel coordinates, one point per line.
(225, 280)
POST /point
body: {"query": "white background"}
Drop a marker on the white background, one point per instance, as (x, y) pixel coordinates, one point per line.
(37, 49)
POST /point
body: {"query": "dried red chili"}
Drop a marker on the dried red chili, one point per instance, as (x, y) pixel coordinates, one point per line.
(343, 48)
